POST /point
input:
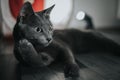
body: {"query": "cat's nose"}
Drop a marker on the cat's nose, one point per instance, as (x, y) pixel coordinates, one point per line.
(49, 39)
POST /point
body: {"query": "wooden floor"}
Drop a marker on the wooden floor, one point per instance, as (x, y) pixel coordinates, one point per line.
(93, 66)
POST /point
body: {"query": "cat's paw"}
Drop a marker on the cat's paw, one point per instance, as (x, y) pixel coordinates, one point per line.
(24, 43)
(71, 70)
(25, 47)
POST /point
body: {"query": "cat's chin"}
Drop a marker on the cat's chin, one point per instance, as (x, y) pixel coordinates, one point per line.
(39, 44)
(45, 45)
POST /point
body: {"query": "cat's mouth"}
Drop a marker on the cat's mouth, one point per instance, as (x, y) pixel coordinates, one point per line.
(40, 43)
(47, 43)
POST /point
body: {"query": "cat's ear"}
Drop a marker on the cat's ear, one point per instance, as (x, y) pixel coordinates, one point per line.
(47, 11)
(26, 10)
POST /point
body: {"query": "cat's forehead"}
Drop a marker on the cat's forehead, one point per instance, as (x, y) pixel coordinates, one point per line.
(36, 20)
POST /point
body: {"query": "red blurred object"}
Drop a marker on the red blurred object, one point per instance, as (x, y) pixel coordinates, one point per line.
(15, 6)
(38, 5)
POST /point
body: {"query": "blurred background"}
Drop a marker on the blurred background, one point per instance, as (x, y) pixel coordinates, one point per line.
(80, 14)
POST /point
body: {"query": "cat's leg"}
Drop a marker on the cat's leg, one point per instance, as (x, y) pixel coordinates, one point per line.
(29, 54)
(71, 68)
(47, 59)
(64, 54)
(101, 43)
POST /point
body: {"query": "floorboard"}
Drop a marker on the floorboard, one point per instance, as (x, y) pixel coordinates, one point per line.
(103, 66)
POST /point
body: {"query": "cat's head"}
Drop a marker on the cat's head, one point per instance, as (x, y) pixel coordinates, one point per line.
(35, 26)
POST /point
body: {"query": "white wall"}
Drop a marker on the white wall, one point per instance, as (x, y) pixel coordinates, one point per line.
(0, 15)
(103, 12)
(0, 20)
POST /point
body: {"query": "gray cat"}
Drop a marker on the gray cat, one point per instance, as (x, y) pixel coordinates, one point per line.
(38, 45)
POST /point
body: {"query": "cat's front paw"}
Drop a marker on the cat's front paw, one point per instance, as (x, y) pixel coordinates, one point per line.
(25, 43)
(71, 70)
(25, 47)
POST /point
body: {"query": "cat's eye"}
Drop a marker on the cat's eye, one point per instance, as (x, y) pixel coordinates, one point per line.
(37, 29)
